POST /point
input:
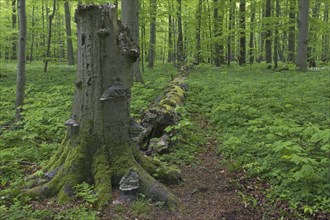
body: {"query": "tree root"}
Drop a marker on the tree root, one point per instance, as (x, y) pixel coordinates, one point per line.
(74, 165)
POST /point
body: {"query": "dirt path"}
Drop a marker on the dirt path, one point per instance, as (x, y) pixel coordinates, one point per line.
(206, 192)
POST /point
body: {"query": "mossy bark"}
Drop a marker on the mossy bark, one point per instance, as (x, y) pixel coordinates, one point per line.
(97, 149)
(162, 113)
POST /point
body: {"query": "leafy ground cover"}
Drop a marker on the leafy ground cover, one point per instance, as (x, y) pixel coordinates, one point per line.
(269, 128)
(28, 145)
(272, 125)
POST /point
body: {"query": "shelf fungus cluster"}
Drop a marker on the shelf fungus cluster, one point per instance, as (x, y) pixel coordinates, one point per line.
(129, 183)
(116, 90)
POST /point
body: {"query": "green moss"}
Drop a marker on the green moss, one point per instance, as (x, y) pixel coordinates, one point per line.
(178, 90)
(75, 170)
(102, 177)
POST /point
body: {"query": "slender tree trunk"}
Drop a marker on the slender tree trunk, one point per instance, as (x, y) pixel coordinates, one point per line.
(50, 22)
(44, 10)
(68, 33)
(301, 59)
(97, 148)
(276, 40)
(313, 37)
(32, 34)
(216, 33)
(325, 36)
(20, 80)
(292, 31)
(251, 45)
(198, 32)
(261, 46)
(268, 35)
(170, 42)
(242, 39)
(180, 49)
(152, 45)
(130, 16)
(210, 34)
(230, 28)
(13, 24)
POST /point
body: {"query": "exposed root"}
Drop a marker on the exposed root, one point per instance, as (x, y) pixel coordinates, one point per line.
(75, 165)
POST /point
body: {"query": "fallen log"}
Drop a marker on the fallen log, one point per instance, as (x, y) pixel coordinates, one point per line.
(150, 133)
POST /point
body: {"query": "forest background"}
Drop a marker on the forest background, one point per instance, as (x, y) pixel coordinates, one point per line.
(217, 33)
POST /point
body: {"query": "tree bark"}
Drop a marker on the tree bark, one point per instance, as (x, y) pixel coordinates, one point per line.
(180, 49)
(292, 31)
(230, 28)
(50, 22)
(325, 36)
(242, 39)
(170, 57)
(68, 33)
(130, 16)
(276, 39)
(198, 32)
(218, 46)
(268, 35)
(32, 34)
(20, 80)
(97, 149)
(261, 45)
(13, 24)
(301, 59)
(152, 49)
(251, 44)
(312, 56)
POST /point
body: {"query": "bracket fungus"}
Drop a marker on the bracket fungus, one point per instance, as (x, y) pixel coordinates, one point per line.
(129, 182)
(117, 90)
(71, 123)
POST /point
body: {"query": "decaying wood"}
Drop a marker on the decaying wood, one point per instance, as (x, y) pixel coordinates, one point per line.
(150, 134)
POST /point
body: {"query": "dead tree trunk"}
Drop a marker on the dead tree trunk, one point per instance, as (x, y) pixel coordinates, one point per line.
(97, 148)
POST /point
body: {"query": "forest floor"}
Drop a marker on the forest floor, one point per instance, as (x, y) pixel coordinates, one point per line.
(231, 143)
(207, 191)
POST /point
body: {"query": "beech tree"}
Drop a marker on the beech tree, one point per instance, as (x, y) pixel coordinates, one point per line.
(97, 149)
(192, 30)
(13, 22)
(301, 58)
(292, 31)
(268, 34)
(180, 49)
(251, 43)
(20, 79)
(68, 33)
(130, 16)
(242, 39)
(152, 44)
(198, 32)
(50, 23)
(277, 33)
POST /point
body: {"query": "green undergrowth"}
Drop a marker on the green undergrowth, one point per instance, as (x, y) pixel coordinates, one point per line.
(274, 125)
(188, 139)
(26, 146)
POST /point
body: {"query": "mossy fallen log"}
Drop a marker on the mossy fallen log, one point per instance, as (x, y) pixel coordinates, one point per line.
(150, 133)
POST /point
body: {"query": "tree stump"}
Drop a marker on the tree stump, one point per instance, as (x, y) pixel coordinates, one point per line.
(97, 149)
